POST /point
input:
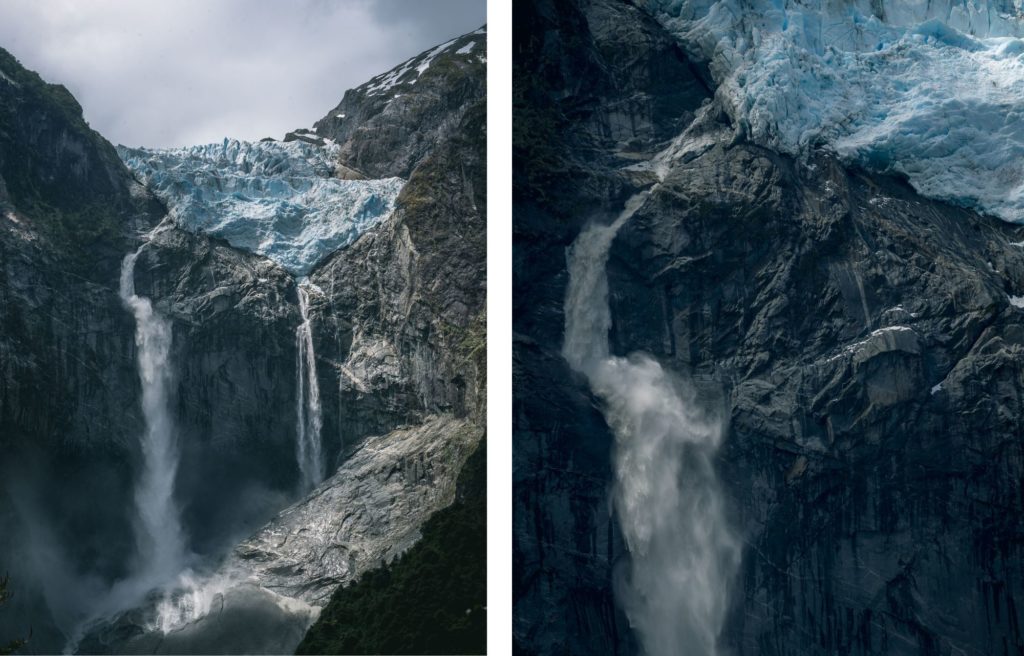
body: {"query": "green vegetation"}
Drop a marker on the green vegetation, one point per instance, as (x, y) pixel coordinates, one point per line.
(14, 645)
(55, 96)
(429, 601)
(57, 171)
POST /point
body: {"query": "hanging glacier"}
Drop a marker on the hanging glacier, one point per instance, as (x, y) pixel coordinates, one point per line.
(281, 200)
(929, 90)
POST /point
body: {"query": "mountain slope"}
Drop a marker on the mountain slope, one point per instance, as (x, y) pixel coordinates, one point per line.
(393, 610)
(396, 319)
(386, 126)
(68, 211)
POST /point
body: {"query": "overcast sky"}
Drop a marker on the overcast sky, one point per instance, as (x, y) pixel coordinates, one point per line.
(182, 72)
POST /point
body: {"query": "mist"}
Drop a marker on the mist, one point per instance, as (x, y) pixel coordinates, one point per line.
(683, 551)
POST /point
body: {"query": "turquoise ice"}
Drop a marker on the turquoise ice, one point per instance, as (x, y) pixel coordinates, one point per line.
(281, 200)
(929, 89)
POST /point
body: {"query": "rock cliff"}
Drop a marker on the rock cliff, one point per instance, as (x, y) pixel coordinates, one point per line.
(397, 321)
(860, 339)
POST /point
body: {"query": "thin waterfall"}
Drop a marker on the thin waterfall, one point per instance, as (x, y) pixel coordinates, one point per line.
(666, 494)
(159, 536)
(309, 419)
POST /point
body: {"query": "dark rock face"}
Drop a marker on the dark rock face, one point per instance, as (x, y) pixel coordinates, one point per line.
(66, 216)
(583, 80)
(398, 321)
(566, 541)
(389, 125)
(868, 350)
(68, 385)
(234, 316)
(866, 343)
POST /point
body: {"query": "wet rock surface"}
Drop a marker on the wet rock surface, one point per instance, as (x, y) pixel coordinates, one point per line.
(271, 586)
(862, 340)
(366, 514)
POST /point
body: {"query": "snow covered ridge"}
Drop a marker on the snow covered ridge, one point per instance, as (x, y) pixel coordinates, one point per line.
(409, 72)
(276, 199)
(932, 89)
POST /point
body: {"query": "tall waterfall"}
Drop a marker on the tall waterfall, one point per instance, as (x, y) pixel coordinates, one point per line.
(666, 493)
(309, 420)
(159, 535)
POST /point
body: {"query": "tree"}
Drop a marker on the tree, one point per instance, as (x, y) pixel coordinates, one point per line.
(14, 645)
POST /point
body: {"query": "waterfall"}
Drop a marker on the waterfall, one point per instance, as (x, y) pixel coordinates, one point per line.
(309, 420)
(159, 535)
(666, 495)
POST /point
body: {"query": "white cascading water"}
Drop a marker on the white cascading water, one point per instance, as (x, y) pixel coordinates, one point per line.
(666, 494)
(159, 536)
(309, 420)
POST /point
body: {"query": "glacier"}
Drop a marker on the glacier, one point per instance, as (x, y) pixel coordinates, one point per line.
(277, 199)
(932, 90)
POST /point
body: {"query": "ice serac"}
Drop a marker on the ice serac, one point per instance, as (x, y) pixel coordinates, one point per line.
(933, 91)
(281, 200)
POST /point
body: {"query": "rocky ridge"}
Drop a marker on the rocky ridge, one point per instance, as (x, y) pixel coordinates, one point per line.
(388, 125)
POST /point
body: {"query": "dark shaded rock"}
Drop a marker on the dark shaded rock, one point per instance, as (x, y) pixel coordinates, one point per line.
(870, 347)
(584, 107)
(390, 124)
(234, 316)
(399, 317)
(566, 542)
(69, 212)
(866, 340)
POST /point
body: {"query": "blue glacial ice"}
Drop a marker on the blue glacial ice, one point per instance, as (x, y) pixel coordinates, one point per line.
(930, 89)
(280, 200)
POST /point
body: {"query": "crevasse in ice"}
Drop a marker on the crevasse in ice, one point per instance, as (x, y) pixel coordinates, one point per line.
(930, 89)
(273, 198)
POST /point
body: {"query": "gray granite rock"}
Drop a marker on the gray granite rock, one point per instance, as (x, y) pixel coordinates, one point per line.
(863, 341)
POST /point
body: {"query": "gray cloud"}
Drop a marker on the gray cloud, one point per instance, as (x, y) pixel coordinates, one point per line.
(194, 71)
